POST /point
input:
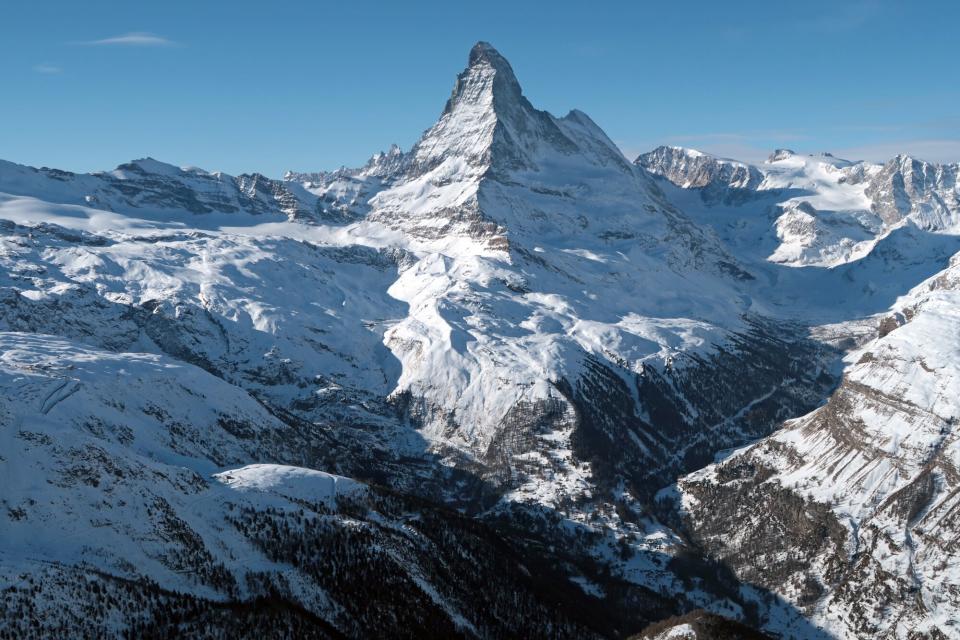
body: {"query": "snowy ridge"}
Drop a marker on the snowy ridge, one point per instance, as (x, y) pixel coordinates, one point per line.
(147, 188)
(291, 482)
(124, 450)
(692, 169)
(882, 456)
(815, 210)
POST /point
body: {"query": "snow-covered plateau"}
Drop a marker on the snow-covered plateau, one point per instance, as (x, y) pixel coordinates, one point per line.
(507, 383)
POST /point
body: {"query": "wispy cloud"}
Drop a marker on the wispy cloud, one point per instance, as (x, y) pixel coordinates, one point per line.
(132, 39)
(47, 69)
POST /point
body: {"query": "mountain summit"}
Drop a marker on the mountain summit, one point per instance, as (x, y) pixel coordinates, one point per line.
(494, 165)
(487, 122)
(485, 64)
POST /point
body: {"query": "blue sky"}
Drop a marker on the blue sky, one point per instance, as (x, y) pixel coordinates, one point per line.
(258, 86)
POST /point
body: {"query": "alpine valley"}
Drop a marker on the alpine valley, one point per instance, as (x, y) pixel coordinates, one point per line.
(506, 384)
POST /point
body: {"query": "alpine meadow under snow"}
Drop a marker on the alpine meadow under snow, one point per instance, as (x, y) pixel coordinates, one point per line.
(506, 384)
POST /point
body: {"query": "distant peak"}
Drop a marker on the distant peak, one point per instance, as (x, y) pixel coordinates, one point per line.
(692, 169)
(149, 165)
(669, 151)
(781, 154)
(383, 163)
(392, 152)
(906, 162)
(688, 151)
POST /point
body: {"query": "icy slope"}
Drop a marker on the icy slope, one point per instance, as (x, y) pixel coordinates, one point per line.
(862, 492)
(301, 326)
(128, 471)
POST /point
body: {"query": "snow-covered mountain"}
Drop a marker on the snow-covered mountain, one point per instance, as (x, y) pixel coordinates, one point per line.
(820, 210)
(849, 511)
(715, 178)
(467, 368)
(148, 188)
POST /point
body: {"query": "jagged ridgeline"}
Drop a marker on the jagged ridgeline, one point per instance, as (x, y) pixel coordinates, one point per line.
(505, 384)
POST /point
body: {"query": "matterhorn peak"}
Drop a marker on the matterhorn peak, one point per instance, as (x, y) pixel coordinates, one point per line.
(484, 52)
(487, 80)
(487, 121)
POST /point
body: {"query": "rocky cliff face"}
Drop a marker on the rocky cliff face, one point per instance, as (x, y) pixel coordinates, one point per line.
(718, 180)
(906, 187)
(847, 511)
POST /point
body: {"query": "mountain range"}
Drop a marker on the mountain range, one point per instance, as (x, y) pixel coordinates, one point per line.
(507, 383)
